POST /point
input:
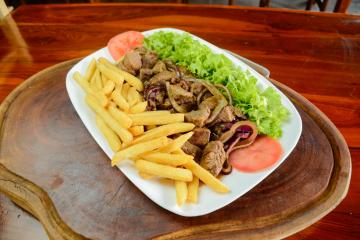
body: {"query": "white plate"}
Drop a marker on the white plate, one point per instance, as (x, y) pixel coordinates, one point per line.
(164, 194)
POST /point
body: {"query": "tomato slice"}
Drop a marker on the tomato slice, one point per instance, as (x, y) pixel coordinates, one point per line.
(263, 153)
(122, 43)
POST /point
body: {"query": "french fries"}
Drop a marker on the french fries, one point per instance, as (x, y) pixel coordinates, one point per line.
(120, 100)
(181, 192)
(123, 133)
(109, 134)
(206, 177)
(177, 143)
(138, 149)
(193, 189)
(167, 158)
(138, 108)
(137, 130)
(158, 120)
(164, 171)
(132, 80)
(121, 116)
(165, 130)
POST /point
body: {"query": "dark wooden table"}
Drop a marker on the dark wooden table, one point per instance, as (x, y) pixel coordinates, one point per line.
(316, 54)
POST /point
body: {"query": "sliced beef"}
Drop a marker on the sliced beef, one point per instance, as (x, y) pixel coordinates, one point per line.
(209, 103)
(213, 157)
(161, 78)
(181, 96)
(132, 60)
(159, 67)
(196, 88)
(198, 117)
(166, 105)
(192, 150)
(200, 137)
(149, 59)
(226, 115)
(145, 74)
(126, 69)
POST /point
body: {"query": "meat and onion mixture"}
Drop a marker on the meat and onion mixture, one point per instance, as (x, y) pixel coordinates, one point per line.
(220, 127)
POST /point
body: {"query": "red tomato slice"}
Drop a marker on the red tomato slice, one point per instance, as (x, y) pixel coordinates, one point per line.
(263, 153)
(122, 43)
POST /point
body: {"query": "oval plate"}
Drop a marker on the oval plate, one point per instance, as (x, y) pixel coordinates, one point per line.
(162, 193)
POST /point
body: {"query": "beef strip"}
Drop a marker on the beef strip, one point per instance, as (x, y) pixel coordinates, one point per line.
(198, 117)
(149, 59)
(226, 115)
(132, 60)
(200, 137)
(159, 67)
(181, 96)
(145, 74)
(161, 78)
(192, 150)
(210, 103)
(213, 157)
(124, 68)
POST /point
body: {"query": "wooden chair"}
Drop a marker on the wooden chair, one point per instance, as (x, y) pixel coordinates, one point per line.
(340, 7)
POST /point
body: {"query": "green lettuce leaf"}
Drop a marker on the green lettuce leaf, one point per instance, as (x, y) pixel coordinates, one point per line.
(263, 107)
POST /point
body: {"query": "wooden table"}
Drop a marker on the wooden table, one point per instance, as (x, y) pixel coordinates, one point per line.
(316, 54)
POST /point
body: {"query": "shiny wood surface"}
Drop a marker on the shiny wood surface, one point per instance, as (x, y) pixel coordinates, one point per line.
(316, 54)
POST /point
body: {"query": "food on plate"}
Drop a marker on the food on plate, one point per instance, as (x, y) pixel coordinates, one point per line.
(188, 116)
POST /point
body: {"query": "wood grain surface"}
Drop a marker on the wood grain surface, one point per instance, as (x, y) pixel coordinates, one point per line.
(317, 54)
(55, 151)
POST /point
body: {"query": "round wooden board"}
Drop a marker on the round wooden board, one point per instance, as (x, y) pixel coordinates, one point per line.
(43, 140)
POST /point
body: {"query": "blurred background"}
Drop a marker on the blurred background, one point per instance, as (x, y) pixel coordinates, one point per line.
(353, 7)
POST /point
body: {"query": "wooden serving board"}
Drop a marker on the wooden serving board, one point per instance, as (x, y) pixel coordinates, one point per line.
(43, 140)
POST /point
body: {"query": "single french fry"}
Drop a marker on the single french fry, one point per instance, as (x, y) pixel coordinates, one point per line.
(109, 134)
(132, 80)
(193, 189)
(177, 143)
(181, 192)
(102, 99)
(124, 134)
(164, 130)
(158, 120)
(125, 90)
(146, 176)
(178, 151)
(133, 96)
(98, 82)
(103, 79)
(139, 107)
(137, 149)
(120, 116)
(151, 113)
(108, 88)
(164, 171)
(120, 100)
(93, 79)
(110, 74)
(206, 177)
(136, 130)
(90, 70)
(167, 158)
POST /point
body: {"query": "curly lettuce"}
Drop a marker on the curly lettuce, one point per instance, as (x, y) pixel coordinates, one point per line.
(263, 107)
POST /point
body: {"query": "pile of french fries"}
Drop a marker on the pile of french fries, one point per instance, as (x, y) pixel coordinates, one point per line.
(140, 135)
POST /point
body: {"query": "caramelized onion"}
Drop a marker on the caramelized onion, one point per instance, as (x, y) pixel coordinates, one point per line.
(226, 90)
(173, 102)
